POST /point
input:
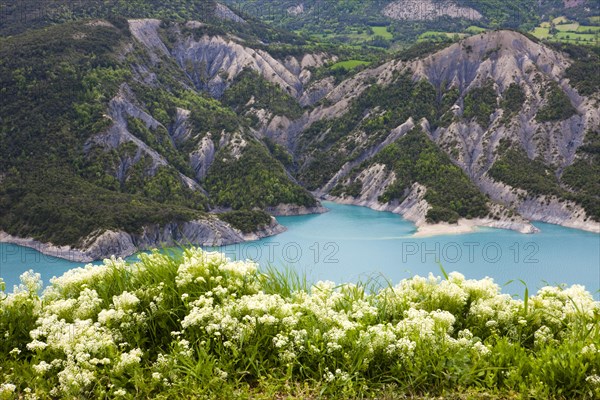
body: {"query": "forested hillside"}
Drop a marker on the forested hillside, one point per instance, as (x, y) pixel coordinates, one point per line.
(89, 144)
(144, 125)
(384, 22)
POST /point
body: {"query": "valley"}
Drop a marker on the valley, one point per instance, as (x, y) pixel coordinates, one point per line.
(299, 199)
(185, 117)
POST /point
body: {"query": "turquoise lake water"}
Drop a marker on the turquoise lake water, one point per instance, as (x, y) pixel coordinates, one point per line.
(351, 244)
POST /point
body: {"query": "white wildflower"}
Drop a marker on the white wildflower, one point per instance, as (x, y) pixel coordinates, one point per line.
(593, 380)
(7, 388)
(36, 345)
(481, 348)
(125, 301)
(127, 360)
(42, 367)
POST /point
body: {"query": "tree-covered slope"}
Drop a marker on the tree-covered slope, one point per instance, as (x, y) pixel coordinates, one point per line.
(382, 22)
(99, 133)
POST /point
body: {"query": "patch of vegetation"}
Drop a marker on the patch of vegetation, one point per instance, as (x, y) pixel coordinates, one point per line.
(193, 324)
(435, 36)
(516, 169)
(480, 103)
(422, 49)
(249, 85)
(513, 100)
(583, 175)
(584, 72)
(415, 158)
(280, 153)
(348, 64)
(254, 180)
(558, 106)
(474, 30)
(382, 31)
(246, 221)
(55, 206)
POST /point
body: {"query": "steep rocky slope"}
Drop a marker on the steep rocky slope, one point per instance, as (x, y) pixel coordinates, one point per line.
(490, 92)
(161, 131)
(143, 154)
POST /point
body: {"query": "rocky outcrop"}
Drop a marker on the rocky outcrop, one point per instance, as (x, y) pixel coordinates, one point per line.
(428, 10)
(507, 57)
(122, 107)
(203, 157)
(208, 232)
(213, 62)
(286, 210)
(296, 10)
(504, 58)
(558, 212)
(224, 12)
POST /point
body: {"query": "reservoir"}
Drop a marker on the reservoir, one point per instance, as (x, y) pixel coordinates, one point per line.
(352, 244)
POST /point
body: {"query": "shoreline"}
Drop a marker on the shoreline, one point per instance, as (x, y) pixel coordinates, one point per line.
(121, 244)
(464, 226)
(423, 230)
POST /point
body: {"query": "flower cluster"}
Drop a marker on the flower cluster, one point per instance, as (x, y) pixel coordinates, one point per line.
(158, 319)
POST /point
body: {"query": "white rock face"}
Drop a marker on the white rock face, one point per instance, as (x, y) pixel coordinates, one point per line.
(296, 10)
(504, 57)
(428, 10)
(146, 32)
(202, 159)
(224, 12)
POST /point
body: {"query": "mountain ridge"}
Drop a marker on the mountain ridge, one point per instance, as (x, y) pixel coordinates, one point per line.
(151, 131)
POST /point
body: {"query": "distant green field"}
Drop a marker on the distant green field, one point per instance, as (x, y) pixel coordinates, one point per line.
(567, 27)
(475, 29)
(595, 20)
(354, 37)
(541, 33)
(349, 64)
(568, 32)
(571, 36)
(382, 31)
(588, 29)
(559, 20)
